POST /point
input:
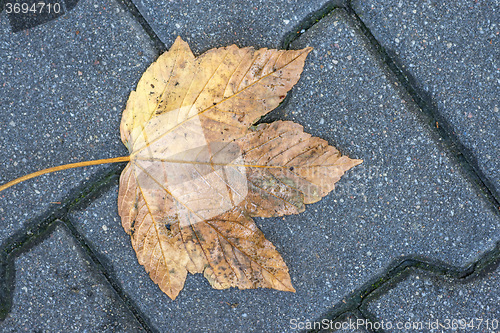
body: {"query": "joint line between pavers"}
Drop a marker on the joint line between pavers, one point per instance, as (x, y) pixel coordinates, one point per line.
(38, 227)
(468, 165)
(399, 270)
(110, 279)
(137, 15)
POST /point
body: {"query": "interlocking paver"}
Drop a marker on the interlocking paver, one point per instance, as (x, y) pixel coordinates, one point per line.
(208, 24)
(58, 290)
(406, 198)
(428, 303)
(63, 86)
(451, 49)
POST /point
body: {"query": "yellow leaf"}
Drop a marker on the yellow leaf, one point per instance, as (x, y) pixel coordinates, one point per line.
(198, 171)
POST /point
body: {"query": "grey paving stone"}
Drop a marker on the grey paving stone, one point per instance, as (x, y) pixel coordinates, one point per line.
(57, 290)
(406, 198)
(451, 48)
(63, 86)
(208, 24)
(198, 308)
(429, 303)
(353, 325)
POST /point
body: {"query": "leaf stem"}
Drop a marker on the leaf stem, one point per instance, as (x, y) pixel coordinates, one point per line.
(64, 167)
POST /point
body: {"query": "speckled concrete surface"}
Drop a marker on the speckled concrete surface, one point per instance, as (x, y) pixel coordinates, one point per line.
(430, 303)
(207, 24)
(451, 48)
(65, 86)
(407, 195)
(406, 198)
(57, 290)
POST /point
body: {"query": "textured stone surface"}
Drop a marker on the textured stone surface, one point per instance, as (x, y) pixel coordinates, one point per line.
(451, 48)
(208, 24)
(406, 198)
(58, 80)
(347, 324)
(425, 300)
(199, 307)
(63, 86)
(57, 290)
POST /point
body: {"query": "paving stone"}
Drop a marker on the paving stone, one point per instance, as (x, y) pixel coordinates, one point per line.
(428, 303)
(406, 198)
(451, 48)
(63, 86)
(198, 307)
(348, 324)
(407, 193)
(208, 24)
(57, 290)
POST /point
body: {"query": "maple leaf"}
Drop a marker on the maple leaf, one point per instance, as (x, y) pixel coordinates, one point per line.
(199, 170)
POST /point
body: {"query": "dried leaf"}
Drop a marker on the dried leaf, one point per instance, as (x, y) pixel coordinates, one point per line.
(199, 171)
